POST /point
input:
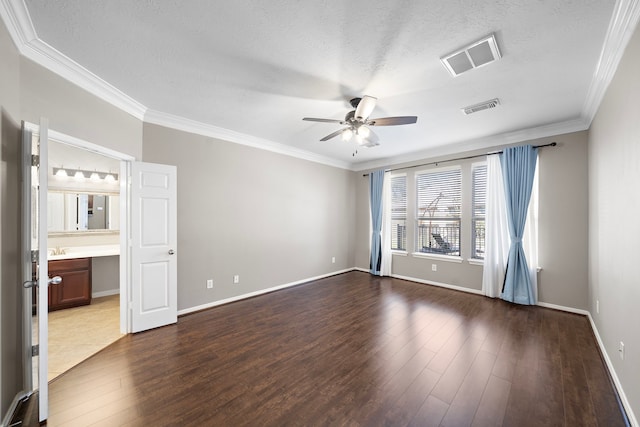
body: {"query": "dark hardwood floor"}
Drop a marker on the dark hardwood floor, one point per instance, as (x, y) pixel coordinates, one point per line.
(352, 349)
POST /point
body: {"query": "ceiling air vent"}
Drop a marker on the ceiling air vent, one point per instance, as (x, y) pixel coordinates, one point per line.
(482, 106)
(475, 55)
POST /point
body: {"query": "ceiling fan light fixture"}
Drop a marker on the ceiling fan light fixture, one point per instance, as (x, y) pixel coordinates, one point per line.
(363, 132)
(347, 134)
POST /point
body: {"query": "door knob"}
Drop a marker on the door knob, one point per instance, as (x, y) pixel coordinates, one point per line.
(171, 252)
(30, 284)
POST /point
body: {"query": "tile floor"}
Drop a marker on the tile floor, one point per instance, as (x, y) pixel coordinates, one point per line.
(77, 333)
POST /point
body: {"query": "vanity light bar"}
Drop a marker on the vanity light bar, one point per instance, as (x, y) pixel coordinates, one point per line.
(85, 174)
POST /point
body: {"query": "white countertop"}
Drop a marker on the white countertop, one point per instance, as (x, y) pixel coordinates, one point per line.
(84, 252)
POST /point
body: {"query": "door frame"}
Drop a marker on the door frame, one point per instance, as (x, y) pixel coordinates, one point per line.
(125, 200)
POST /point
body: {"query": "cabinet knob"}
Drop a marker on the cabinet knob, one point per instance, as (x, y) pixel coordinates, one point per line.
(55, 280)
(171, 252)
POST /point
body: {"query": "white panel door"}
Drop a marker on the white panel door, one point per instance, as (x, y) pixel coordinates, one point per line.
(34, 235)
(43, 271)
(153, 246)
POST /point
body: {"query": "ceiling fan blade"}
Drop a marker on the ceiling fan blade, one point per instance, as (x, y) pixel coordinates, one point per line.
(365, 107)
(312, 119)
(392, 121)
(332, 135)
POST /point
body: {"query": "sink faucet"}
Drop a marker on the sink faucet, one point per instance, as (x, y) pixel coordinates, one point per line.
(58, 251)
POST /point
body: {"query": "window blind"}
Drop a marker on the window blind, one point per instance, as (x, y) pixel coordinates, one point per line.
(439, 195)
(399, 212)
(478, 210)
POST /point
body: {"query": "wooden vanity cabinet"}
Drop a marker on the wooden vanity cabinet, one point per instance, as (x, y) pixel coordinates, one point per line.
(75, 289)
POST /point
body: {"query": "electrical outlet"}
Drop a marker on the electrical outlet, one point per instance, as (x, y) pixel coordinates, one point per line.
(621, 350)
(236, 279)
(333, 260)
(597, 306)
(209, 283)
(434, 267)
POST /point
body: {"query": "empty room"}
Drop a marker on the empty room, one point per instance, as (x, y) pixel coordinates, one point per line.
(319, 213)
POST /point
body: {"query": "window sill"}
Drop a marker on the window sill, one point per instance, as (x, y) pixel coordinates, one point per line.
(399, 253)
(447, 258)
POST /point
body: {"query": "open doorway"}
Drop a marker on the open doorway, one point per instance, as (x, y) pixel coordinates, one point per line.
(86, 216)
(84, 238)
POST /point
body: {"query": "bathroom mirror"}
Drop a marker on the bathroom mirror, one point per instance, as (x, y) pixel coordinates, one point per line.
(82, 212)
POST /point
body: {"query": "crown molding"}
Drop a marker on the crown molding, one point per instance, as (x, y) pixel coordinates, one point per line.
(43, 54)
(19, 24)
(199, 128)
(623, 22)
(492, 142)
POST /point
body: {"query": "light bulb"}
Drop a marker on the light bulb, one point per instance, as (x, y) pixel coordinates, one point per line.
(61, 173)
(347, 134)
(79, 176)
(364, 132)
(95, 177)
(109, 178)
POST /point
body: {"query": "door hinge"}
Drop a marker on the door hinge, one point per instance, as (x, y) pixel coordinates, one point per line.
(35, 350)
(35, 160)
(35, 255)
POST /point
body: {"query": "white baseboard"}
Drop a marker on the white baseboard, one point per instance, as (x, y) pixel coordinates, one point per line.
(623, 397)
(260, 292)
(441, 285)
(105, 293)
(563, 308)
(12, 408)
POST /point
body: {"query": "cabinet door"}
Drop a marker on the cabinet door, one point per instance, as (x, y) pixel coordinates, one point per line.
(75, 288)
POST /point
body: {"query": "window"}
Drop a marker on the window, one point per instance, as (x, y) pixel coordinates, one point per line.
(438, 211)
(399, 213)
(478, 210)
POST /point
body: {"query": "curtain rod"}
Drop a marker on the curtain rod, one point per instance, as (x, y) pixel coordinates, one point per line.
(551, 144)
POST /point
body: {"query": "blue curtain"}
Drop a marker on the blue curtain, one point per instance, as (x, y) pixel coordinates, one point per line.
(518, 169)
(376, 180)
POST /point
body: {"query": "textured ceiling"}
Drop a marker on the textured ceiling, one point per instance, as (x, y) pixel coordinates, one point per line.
(258, 67)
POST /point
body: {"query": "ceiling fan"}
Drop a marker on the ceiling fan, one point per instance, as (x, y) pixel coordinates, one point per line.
(358, 122)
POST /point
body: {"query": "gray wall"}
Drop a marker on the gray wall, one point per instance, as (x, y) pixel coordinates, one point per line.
(270, 218)
(562, 221)
(105, 274)
(10, 295)
(614, 229)
(75, 112)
